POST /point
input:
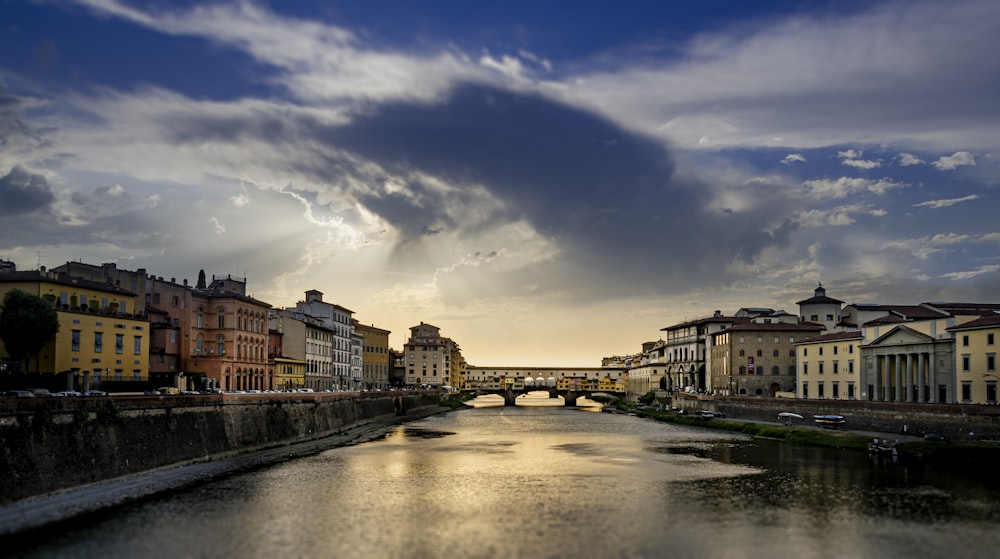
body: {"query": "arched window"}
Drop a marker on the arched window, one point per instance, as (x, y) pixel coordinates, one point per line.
(743, 370)
(775, 370)
(742, 353)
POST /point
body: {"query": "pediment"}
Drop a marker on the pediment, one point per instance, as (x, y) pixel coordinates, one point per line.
(901, 335)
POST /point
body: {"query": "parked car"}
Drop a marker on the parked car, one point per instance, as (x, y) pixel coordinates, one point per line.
(68, 393)
(936, 437)
(42, 393)
(19, 394)
(95, 393)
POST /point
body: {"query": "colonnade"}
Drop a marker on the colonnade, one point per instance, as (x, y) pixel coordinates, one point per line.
(904, 377)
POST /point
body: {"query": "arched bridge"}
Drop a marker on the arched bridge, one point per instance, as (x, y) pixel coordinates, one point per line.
(570, 396)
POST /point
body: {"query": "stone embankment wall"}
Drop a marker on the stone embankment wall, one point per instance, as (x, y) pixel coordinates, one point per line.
(47, 444)
(957, 421)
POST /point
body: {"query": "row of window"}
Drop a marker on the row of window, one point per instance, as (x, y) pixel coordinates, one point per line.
(989, 339)
(836, 349)
(99, 342)
(991, 362)
(835, 387)
(836, 367)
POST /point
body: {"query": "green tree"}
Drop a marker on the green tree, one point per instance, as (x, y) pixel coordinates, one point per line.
(27, 323)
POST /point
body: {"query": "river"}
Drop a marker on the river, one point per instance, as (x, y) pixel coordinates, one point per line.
(552, 483)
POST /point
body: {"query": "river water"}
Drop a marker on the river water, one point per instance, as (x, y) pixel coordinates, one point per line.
(552, 483)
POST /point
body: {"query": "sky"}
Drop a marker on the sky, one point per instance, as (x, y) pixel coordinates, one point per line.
(548, 183)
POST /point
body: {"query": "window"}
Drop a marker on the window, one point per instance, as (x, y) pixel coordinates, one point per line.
(989, 338)
(835, 350)
(743, 370)
(760, 339)
(821, 350)
(991, 392)
(819, 390)
(760, 353)
(741, 339)
(965, 340)
(829, 317)
(821, 367)
(814, 317)
(98, 342)
(775, 370)
(991, 361)
(200, 321)
(836, 367)
(222, 321)
(836, 391)
(966, 391)
(776, 354)
(776, 339)
(805, 368)
(119, 343)
(75, 341)
(791, 353)
(743, 353)
(805, 351)
(850, 366)
(805, 389)
(850, 390)
(966, 359)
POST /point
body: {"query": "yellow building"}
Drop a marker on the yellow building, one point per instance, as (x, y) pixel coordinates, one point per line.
(828, 366)
(101, 339)
(375, 358)
(976, 359)
(289, 374)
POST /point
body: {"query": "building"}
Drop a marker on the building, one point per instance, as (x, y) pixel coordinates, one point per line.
(307, 339)
(376, 359)
(758, 358)
(820, 309)
(829, 366)
(688, 349)
(101, 343)
(338, 320)
(429, 357)
(976, 354)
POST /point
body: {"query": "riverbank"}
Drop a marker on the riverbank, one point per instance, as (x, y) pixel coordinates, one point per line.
(972, 453)
(21, 519)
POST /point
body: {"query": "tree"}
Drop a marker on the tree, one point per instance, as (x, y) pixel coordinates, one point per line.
(27, 323)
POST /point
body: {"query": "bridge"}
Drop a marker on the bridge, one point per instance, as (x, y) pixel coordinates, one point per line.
(570, 396)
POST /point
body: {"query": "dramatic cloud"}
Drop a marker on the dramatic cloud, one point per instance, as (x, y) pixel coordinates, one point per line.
(23, 192)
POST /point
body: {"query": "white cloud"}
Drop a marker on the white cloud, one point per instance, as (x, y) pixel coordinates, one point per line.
(861, 163)
(954, 161)
(908, 159)
(845, 186)
(851, 159)
(937, 204)
(944, 239)
(220, 228)
(969, 274)
(793, 158)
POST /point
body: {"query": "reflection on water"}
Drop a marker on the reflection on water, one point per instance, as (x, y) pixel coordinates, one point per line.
(537, 398)
(555, 482)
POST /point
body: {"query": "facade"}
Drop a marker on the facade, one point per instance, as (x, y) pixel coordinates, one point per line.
(820, 309)
(226, 336)
(757, 358)
(976, 354)
(101, 339)
(688, 350)
(307, 339)
(357, 360)
(338, 320)
(829, 366)
(376, 360)
(428, 357)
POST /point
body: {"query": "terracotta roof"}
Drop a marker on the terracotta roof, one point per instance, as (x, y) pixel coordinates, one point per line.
(910, 312)
(35, 276)
(775, 327)
(981, 322)
(849, 335)
(820, 301)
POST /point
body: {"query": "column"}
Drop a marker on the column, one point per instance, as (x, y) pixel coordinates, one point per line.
(885, 378)
(908, 378)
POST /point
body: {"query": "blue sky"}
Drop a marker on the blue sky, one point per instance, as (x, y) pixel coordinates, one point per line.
(549, 183)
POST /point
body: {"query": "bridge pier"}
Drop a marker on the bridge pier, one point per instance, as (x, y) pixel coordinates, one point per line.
(509, 398)
(570, 398)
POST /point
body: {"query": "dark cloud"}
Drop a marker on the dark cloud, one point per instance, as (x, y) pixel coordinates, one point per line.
(607, 196)
(22, 192)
